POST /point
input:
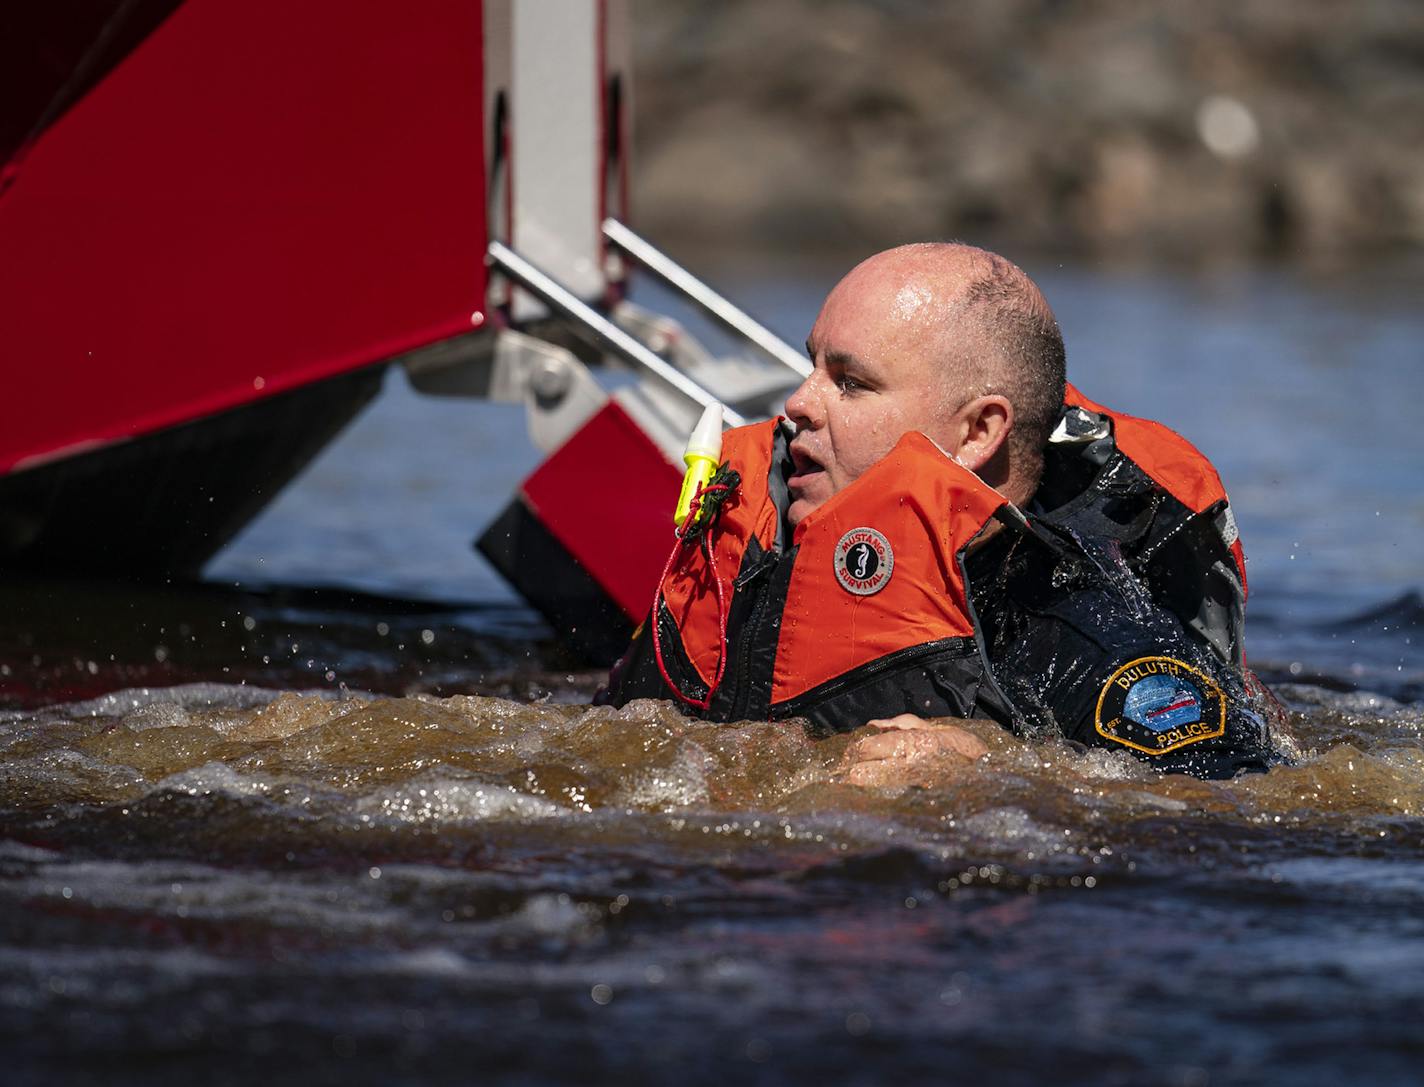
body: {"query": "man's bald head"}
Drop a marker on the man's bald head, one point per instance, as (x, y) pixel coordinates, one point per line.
(946, 339)
(986, 324)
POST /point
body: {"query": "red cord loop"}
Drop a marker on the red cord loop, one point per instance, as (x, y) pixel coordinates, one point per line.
(685, 535)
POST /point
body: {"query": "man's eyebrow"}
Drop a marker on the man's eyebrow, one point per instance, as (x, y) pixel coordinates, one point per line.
(845, 360)
(841, 359)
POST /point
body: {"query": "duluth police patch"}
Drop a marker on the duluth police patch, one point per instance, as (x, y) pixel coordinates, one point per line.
(1159, 704)
(864, 561)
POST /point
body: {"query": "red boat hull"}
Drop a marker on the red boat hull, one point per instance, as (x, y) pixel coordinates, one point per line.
(259, 196)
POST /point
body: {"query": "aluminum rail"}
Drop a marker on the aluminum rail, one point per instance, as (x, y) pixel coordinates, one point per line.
(596, 328)
(712, 303)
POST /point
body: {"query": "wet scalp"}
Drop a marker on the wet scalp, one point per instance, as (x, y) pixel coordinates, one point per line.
(996, 333)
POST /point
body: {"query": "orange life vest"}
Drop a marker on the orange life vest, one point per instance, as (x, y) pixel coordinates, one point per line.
(867, 610)
(864, 611)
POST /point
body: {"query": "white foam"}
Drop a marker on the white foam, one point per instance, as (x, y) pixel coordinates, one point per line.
(432, 799)
(680, 784)
(214, 778)
(158, 715)
(1012, 826)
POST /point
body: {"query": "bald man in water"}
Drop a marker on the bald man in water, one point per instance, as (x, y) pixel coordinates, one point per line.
(948, 340)
(1088, 581)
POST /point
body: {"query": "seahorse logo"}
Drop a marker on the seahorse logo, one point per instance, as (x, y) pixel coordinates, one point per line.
(864, 561)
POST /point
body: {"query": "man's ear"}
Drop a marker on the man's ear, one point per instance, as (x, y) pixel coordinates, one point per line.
(981, 428)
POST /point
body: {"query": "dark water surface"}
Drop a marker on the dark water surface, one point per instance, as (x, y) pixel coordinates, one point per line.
(342, 813)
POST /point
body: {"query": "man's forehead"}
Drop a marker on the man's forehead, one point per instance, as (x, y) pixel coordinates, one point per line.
(875, 319)
(912, 300)
(898, 292)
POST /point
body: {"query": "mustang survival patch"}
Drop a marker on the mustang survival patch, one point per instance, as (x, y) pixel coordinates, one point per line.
(864, 561)
(1158, 704)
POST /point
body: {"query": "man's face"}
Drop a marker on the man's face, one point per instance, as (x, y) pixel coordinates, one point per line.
(874, 347)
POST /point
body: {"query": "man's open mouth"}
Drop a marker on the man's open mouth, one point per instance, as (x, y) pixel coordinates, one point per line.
(805, 467)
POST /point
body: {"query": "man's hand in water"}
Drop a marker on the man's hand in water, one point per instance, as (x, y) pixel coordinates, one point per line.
(908, 750)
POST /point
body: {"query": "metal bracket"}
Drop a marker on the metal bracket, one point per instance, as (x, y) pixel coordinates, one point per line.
(591, 325)
(557, 390)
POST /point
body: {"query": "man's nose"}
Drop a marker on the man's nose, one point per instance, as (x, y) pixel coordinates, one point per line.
(804, 406)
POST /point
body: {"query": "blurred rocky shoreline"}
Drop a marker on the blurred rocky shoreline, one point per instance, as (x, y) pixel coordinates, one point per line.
(1175, 130)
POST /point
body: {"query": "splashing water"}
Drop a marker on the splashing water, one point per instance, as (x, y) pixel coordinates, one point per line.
(218, 870)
